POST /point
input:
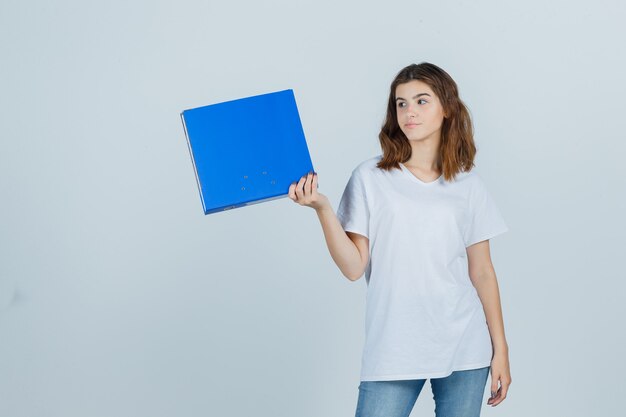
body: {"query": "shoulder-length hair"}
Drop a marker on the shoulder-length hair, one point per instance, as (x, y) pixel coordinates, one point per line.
(457, 148)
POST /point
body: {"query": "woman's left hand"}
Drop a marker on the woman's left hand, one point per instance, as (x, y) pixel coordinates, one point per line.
(499, 372)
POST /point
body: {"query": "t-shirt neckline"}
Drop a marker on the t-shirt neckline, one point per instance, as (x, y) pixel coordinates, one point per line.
(414, 178)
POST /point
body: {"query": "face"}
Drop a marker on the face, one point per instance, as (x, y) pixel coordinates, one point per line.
(420, 114)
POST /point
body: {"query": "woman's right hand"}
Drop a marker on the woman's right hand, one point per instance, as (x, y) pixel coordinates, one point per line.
(304, 192)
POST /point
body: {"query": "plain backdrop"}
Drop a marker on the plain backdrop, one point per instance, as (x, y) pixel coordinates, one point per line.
(119, 297)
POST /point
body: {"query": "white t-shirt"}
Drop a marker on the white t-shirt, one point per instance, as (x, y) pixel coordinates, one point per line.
(423, 316)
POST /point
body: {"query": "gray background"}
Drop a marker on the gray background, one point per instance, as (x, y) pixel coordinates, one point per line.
(119, 297)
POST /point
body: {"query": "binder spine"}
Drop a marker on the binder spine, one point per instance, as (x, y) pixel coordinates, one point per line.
(193, 161)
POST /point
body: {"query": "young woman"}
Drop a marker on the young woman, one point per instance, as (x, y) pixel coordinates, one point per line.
(416, 220)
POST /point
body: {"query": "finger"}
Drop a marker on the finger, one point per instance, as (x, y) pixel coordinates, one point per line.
(494, 389)
(502, 394)
(497, 399)
(306, 187)
(299, 187)
(494, 385)
(314, 182)
(309, 184)
(292, 191)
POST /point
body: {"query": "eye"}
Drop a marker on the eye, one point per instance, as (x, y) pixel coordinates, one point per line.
(421, 99)
(400, 104)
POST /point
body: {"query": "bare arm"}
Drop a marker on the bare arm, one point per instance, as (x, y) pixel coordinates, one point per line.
(350, 251)
(484, 279)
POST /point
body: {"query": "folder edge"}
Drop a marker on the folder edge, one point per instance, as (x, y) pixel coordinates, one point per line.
(193, 161)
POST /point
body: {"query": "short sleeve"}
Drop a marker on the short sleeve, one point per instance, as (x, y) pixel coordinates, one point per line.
(353, 211)
(485, 219)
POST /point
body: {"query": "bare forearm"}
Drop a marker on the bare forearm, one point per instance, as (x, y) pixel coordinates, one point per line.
(343, 251)
(487, 288)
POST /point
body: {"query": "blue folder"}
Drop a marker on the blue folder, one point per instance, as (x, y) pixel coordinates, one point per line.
(246, 151)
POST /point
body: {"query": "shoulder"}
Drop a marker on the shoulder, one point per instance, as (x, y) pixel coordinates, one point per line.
(367, 167)
(468, 179)
(475, 187)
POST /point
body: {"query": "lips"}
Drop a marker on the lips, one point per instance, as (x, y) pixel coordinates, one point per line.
(412, 124)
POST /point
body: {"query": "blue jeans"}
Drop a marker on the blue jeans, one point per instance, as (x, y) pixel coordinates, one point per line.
(460, 394)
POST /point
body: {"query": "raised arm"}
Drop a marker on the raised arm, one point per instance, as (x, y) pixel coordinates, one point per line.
(348, 250)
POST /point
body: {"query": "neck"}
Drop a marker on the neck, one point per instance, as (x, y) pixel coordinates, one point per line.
(424, 155)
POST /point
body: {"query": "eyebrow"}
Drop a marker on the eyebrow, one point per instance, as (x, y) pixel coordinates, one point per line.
(415, 96)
